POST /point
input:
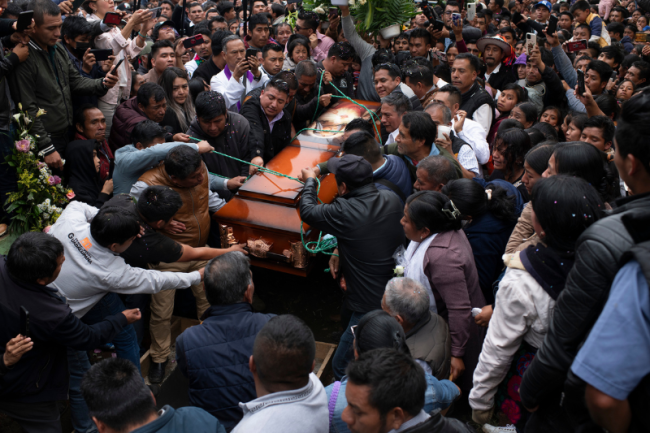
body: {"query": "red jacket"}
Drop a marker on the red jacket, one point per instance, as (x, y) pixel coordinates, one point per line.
(126, 117)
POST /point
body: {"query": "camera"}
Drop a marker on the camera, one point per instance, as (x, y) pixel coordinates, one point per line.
(432, 16)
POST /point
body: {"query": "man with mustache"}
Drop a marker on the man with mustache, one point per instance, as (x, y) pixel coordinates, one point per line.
(499, 58)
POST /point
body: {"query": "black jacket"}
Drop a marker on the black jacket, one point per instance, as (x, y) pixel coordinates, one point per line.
(439, 424)
(81, 174)
(366, 223)
(264, 142)
(598, 253)
(505, 75)
(474, 98)
(42, 373)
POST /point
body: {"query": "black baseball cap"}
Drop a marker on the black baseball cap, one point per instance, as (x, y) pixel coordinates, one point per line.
(351, 168)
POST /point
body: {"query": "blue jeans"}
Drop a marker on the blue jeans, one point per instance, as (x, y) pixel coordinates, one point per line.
(126, 347)
(344, 352)
(8, 178)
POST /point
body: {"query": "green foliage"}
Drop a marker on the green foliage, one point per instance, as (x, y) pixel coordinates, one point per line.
(40, 197)
(373, 15)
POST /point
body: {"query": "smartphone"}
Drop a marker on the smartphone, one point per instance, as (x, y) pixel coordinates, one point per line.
(252, 52)
(334, 12)
(581, 82)
(531, 41)
(112, 18)
(101, 55)
(471, 11)
(24, 322)
(116, 66)
(572, 47)
(444, 130)
(456, 19)
(76, 4)
(552, 25)
(156, 12)
(193, 41)
(24, 20)
(438, 25)
(614, 76)
(83, 46)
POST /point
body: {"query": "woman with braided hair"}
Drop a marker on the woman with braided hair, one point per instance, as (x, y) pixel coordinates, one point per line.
(440, 258)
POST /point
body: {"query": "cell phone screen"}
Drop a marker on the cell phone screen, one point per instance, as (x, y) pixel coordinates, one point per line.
(24, 20)
(552, 25)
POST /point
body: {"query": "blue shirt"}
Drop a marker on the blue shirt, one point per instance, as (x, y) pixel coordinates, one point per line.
(616, 355)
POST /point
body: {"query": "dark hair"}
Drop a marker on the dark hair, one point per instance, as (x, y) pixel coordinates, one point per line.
(271, 47)
(579, 120)
(558, 111)
(400, 101)
(433, 210)
(277, 9)
(146, 131)
(455, 96)
(633, 129)
(513, 144)
(33, 256)
(203, 28)
(379, 329)
(284, 351)
(256, 20)
(227, 278)
(193, 5)
(149, 90)
(505, 30)
(382, 55)
(419, 74)
(224, 6)
(439, 169)
(603, 70)
(421, 34)
(393, 70)
(605, 124)
(363, 144)
(537, 157)
(80, 113)
(42, 8)
(74, 26)
(615, 27)
(342, 50)
(310, 19)
(586, 161)
(186, 112)
(420, 127)
(569, 14)
(182, 161)
(522, 94)
(294, 41)
(632, 28)
(210, 104)
(217, 39)
(116, 395)
(565, 207)
(473, 200)
(196, 86)
(473, 61)
(278, 84)
(580, 5)
(529, 110)
(305, 68)
(644, 71)
(509, 123)
(288, 77)
(158, 202)
(158, 45)
(114, 225)
(584, 26)
(549, 131)
(361, 124)
(394, 379)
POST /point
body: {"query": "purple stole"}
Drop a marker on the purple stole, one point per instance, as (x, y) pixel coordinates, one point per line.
(249, 76)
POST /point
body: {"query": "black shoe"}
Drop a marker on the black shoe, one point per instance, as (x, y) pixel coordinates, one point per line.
(157, 371)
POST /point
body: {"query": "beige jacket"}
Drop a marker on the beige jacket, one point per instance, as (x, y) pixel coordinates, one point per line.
(524, 234)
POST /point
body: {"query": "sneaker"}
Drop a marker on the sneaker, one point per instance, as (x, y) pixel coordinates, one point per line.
(487, 428)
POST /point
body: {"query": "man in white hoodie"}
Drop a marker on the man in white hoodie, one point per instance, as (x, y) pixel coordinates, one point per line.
(94, 273)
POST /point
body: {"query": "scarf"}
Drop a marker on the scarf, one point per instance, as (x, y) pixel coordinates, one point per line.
(549, 267)
(249, 76)
(414, 268)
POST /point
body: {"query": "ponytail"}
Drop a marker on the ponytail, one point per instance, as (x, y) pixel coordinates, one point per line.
(469, 197)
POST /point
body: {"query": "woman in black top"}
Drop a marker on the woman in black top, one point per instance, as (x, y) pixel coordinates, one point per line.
(508, 154)
(180, 108)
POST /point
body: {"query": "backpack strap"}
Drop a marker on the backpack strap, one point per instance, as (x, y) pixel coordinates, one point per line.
(332, 403)
(387, 183)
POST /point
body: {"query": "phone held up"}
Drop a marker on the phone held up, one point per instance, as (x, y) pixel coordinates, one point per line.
(193, 41)
(572, 47)
(581, 83)
(112, 18)
(531, 41)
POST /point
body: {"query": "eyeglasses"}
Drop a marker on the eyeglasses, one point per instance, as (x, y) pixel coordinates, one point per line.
(298, 28)
(280, 85)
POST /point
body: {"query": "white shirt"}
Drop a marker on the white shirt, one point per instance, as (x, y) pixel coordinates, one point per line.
(234, 91)
(90, 271)
(391, 137)
(487, 76)
(467, 159)
(484, 116)
(474, 135)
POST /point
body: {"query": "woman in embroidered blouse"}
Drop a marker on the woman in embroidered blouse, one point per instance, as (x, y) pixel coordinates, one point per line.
(563, 208)
(440, 257)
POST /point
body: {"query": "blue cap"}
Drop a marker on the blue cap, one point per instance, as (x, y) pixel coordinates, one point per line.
(545, 3)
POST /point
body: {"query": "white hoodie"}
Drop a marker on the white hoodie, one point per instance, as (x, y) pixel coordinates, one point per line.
(90, 271)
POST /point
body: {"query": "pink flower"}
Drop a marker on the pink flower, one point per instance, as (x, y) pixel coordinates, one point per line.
(41, 165)
(54, 180)
(70, 195)
(22, 146)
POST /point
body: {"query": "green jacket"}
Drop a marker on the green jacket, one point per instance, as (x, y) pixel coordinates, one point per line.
(391, 149)
(35, 84)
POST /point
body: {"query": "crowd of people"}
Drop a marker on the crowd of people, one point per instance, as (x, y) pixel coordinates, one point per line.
(490, 226)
